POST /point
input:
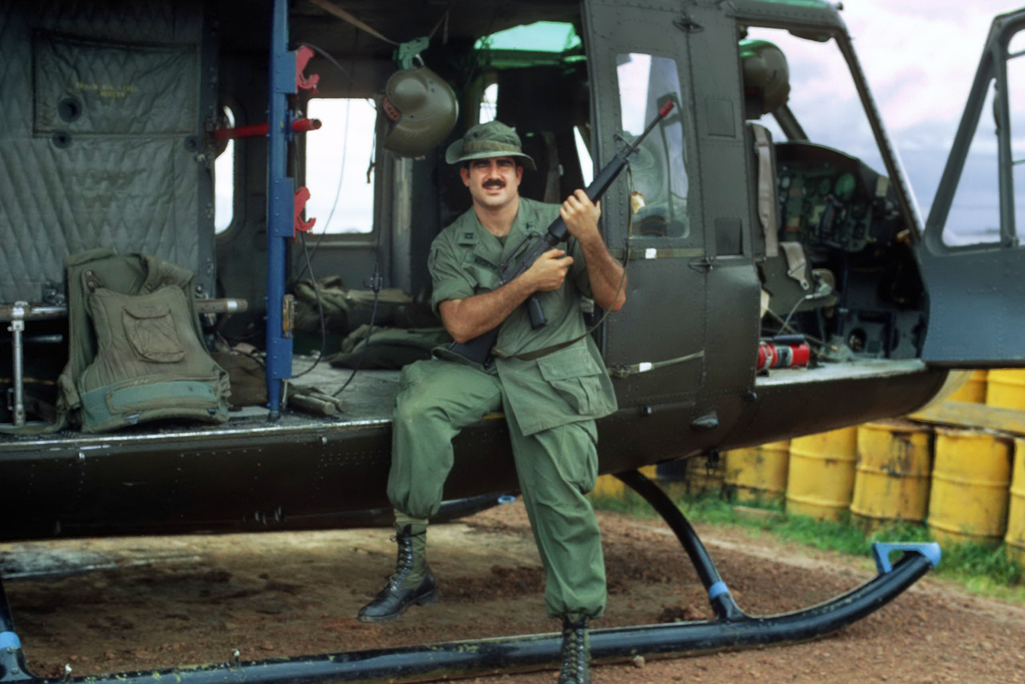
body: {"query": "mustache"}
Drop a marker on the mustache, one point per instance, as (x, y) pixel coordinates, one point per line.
(494, 184)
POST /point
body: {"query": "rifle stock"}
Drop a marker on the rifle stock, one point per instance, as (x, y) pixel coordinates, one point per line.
(479, 348)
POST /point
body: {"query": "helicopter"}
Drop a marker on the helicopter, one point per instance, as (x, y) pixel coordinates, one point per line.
(740, 232)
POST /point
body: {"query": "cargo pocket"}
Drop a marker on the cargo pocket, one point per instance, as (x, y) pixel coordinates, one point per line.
(574, 374)
(411, 374)
(150, 330)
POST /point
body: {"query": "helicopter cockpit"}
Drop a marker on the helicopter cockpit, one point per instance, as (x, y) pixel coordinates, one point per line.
(838, 266)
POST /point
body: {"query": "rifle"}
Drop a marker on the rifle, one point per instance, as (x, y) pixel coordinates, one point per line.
(479, 348)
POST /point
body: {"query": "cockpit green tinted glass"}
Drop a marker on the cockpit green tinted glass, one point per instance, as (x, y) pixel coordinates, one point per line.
(541, 36)
(659, 165)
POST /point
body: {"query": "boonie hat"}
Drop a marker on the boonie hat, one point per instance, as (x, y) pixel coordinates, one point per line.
(421, 110)
(486, 140)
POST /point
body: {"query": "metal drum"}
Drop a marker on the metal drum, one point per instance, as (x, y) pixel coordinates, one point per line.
(971, 475)
(611, 487)
(1016, 512)
(973, 391)
(892, 476)
(821, 478)
(1006, 388)
(705, 476)
(758, 474)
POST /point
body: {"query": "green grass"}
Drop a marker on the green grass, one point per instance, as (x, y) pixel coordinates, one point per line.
(982, 570)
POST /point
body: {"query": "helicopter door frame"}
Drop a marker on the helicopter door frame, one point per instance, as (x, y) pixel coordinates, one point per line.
(976, 295)
(665, 316)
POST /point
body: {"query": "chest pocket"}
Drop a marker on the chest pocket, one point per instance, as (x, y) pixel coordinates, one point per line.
(483, 275)
(575, 375)
(150, 330)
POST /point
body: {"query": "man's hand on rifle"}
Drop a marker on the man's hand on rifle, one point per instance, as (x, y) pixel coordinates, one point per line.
(549, 271)
(581, 216)
(605, 273)
(466, 319)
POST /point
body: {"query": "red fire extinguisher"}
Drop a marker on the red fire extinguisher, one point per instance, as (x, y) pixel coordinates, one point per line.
(783, 354)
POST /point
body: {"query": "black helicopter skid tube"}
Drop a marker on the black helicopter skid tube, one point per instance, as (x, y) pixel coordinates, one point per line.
(535, 652)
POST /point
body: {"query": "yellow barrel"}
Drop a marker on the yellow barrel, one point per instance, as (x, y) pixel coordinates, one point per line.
(1006, 388)
(611, 487)
(703, 478)
(891, 482)
(758, 474)
(971, 475)
(1016, 512)
(821, 478)
(973, 391)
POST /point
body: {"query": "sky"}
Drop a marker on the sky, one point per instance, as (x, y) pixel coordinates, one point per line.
(919, 57)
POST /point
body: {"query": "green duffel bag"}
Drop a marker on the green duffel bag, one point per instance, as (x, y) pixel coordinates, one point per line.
(388, 348)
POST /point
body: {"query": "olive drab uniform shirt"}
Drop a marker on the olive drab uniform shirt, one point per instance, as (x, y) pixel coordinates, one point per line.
(567, 386)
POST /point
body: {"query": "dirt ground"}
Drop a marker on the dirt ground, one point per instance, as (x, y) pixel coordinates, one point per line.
(161, 602)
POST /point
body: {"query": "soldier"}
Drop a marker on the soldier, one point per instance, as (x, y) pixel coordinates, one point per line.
(551, 383)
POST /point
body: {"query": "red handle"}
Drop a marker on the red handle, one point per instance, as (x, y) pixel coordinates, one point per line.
(666, 108)
(257, 130)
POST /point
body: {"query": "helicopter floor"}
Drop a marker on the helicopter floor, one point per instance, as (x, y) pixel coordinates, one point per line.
(848, 370)
(369, 398)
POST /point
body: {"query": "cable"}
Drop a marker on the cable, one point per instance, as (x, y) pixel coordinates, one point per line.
(376, 286)
(345, 145)
(376, 280)
(338, 191)
(328, 57)
(320, 309)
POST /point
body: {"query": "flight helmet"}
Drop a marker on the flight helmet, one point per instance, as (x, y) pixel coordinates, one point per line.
(766, 78)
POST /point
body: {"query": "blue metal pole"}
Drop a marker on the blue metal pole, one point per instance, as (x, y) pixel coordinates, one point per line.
(280, 193)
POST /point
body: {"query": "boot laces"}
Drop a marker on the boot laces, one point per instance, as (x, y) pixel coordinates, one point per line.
(575, 653)
(404, 562)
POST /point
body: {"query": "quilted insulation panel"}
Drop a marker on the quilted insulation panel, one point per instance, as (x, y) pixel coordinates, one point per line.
(99, 124)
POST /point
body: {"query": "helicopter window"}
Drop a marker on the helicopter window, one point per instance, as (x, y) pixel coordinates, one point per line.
(584, 153)
(823, 98)
(974, 216)
(1016, 100)
(645, 82)
(338, 156)
(489, 104)
(224, 180)
(531, 44)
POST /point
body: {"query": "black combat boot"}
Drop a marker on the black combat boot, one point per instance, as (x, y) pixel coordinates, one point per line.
(576, 652)
(412, 581)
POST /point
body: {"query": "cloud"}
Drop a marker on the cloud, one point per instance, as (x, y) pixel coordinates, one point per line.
(919, 58)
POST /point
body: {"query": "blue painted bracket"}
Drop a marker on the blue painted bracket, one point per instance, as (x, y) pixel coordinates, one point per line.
(12, 661)
(717, 589)
(881, 552)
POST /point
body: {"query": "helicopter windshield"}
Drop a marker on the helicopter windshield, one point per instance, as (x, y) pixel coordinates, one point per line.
(645, 82)
(822, 98)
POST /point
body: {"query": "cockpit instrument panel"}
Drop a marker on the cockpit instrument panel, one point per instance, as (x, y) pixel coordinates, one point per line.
(828, 199)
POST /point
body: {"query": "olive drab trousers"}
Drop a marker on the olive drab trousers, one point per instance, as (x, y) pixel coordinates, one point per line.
(556, 468)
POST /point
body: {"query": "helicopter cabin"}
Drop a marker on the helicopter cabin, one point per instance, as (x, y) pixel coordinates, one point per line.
(771, 264)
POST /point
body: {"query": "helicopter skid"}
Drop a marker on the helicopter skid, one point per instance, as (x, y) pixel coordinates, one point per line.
(732, 629)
